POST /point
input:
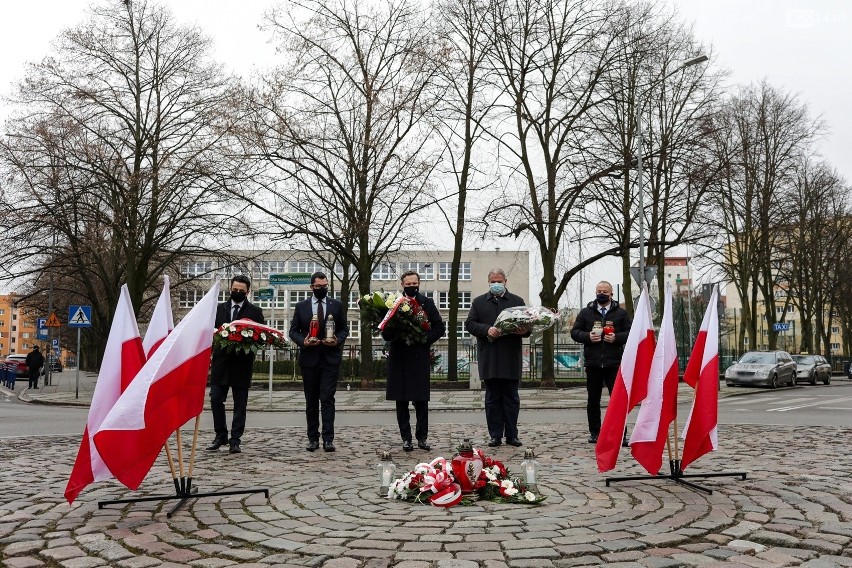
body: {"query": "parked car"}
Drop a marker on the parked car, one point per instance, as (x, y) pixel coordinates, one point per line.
(54, 364)
(770, 368)
(812, 368)
(18, 363)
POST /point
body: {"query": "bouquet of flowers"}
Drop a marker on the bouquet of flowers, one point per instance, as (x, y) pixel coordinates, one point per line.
(535, 318)
(436, 484)
(247, 336)
(397, 312)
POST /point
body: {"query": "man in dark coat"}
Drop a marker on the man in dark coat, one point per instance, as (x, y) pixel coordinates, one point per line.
(499, 355)
(602, 352)
(410, 366)
(35, 361)
(231, 369)
(320, 357)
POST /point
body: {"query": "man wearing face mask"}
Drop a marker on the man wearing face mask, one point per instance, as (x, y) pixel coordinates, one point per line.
(409, 367)
(602, 351)
(320, 357)
(232, 370)
(500, 359)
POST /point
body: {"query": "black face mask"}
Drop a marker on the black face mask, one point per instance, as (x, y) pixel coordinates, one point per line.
(238, 297)
(603, 299)
(320, 293)
(411, 291)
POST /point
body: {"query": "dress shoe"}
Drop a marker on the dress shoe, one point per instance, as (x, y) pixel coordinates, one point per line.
(235, 448)
(593, 439)
(407, 446)
(423, 445)
(217, 443)
(625, 443)
(514, 442)
(313, 445)
(328, 446)
(494, 442)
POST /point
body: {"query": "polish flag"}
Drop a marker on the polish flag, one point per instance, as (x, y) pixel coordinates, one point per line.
(659, 408)
(631, 383)
(167, 392)
(702, 373)
(122, 360)
(162, 322)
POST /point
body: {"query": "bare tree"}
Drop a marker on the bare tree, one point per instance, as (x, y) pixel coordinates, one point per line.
(342, 135)
(114, 159)
(462, 112)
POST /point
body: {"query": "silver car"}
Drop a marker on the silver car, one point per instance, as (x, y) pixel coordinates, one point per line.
(770, 368)
(812, 368)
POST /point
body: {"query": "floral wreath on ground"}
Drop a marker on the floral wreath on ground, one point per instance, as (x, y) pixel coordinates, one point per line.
(435, 483)
(395, 312)
(247, 336)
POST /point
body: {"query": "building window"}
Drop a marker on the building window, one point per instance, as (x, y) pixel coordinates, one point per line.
(2, 312)
(461, 332)
(835, 346)
(263, 268)
(463, 300)
(197, 269)
(354, 296)
(280, 300)
(188, 298)
(2, 323)
(297, 296)
(306, 266)
(834, 329)
(385, 271)
(25, 335)
(426, 270)
(354, 329)
(745, 340)
(445, 270)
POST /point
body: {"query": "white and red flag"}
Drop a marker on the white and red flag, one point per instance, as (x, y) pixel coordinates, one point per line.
(162, 322)
(631, 383)
(123, 358)
(167, 392)
(659, 408)
(702, 374)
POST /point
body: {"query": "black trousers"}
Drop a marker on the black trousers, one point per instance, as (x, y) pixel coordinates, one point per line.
(596, 379)
(218, 395)
(320, 385)
(403, 418)
(502, 406)
(33, 379)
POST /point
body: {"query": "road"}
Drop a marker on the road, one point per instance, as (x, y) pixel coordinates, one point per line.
(800, 406)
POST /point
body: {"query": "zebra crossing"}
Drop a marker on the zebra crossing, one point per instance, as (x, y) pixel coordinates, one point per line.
(819, 401)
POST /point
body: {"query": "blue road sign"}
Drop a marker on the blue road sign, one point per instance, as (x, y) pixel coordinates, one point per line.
(79, 316)
(781, 326)
(41, 328)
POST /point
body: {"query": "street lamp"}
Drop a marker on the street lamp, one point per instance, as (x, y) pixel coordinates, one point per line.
(681, 67)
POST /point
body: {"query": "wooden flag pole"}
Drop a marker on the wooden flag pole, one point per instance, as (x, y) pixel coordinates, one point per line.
(677, 449)
(180, 451)
(194, 443)
(172, 466)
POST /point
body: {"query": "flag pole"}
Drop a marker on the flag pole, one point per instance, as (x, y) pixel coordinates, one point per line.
(192, 453)
(172, 466)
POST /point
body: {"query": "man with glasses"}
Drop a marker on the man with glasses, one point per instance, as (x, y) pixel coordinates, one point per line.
(232, 369)
(320, 356)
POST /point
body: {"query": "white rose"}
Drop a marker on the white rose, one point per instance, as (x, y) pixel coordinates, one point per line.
(246, 333)
(529, 496)
(224, 333)
(262, 336)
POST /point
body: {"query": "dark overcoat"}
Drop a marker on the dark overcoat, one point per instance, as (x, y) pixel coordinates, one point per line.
(234, 369)
(602, 354)
(409, 366)
(501, 358)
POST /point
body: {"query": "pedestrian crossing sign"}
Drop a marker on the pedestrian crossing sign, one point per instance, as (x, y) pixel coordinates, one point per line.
(79, 316)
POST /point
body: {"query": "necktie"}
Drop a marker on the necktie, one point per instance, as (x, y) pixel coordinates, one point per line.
(236, 313)
(321, 318)
(603, 312)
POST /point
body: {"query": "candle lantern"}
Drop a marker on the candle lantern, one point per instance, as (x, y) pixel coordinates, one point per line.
(329, 327)
(530, 467)
(609, 328)
(314, 328)
(386, 470)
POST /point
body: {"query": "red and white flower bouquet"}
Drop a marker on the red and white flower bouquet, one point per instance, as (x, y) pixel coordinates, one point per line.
(247, 336)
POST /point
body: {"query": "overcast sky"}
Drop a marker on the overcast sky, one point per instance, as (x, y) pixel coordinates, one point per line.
(804, 46)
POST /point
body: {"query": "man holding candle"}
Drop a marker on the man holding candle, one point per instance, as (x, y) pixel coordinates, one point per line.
(602, 327)
(320, 357)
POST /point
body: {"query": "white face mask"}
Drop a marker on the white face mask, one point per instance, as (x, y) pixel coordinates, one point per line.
(497, 288)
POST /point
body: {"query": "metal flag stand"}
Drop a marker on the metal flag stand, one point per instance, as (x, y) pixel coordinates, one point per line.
(677, 474)
(183, 483)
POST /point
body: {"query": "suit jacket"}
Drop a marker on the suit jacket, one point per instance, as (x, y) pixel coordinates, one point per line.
(234, 369)
(300, 328)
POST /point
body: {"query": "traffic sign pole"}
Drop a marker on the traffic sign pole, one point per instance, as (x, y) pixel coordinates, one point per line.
(77, 387)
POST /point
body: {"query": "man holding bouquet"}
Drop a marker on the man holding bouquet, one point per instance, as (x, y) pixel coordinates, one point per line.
(319, 329)
(232, 369)
(410, 362)
(500, 361)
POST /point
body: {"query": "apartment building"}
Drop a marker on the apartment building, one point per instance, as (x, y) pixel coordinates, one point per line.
(17, 326)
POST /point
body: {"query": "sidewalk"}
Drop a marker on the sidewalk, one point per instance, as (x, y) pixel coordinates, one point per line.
(64, 391)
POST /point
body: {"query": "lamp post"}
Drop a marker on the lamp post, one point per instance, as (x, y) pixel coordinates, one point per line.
(681, 67)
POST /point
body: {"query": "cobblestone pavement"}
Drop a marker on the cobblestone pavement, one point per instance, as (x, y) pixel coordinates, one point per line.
(794, 509)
